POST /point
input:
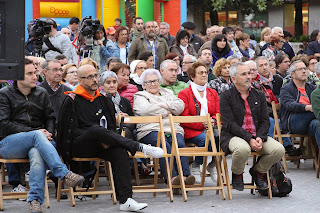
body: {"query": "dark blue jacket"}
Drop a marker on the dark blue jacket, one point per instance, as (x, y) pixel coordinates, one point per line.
(285, 48)
(289, 102)
(215, 57)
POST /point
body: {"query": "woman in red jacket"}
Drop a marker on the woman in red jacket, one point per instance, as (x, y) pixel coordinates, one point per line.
(199, 100)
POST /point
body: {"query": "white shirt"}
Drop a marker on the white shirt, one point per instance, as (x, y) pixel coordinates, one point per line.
(123, 55)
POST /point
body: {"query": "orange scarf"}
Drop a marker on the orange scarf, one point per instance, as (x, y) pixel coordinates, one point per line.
(83, 93)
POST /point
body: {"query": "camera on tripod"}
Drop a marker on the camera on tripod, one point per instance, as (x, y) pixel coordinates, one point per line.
(88, 28)
(37, 29)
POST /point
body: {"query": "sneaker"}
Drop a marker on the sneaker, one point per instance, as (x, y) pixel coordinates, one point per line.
(195, 171)
(132, 206)
(152, 151)
(35, 207)
(73, 180)
(20, 188)
(213, 173)
(26, 176)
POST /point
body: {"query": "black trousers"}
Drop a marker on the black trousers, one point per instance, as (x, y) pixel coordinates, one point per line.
(89, 145)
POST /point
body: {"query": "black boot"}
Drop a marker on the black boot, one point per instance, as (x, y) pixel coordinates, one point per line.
(237, 182)
(292, 151)
(259, 179)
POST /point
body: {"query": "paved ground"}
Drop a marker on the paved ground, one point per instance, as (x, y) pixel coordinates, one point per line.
(305, 197)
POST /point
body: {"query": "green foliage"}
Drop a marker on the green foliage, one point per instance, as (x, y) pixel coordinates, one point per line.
(302, 38)
(260, 4)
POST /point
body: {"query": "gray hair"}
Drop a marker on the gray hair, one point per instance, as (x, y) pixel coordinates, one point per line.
(193, 58)
(249, 62)
(149, 72)
(317, 68)
(164, 64)
(45, 64)
(105, 75)
(261, 58)
(165, 23)
(231, 57)
(292, 67)
(275, 28)
(234, 68)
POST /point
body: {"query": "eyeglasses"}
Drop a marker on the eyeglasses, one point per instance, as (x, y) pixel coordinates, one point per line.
(202, 72)
(141, 68)
(91, 77)
(301, 69)
(72, 72)
(152, 82)
(56, 69)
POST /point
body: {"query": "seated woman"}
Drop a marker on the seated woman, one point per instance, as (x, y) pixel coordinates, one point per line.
(182, 46)
(136, 69)
(274, 48)
(154, 101)
(70, 75)
(199, 100)
(220, 49)
(125, 89)
(221, 71)
(109, 82)
(243, 50)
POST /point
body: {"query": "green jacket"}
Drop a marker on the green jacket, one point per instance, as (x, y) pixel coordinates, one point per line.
(139, 45)
(176, 87)
(315, 102)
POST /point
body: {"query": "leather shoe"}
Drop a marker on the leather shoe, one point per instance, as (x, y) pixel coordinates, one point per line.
(237, 182)
(259, 179)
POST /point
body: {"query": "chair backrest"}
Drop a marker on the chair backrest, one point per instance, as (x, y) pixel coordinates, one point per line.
(275, 109)
(218, 118)
(145, 120)
(193, 119)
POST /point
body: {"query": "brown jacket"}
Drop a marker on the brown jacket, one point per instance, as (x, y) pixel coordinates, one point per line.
(179, 52)
(139, 45)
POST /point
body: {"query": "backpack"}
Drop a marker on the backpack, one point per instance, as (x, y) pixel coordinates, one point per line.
(281, 185)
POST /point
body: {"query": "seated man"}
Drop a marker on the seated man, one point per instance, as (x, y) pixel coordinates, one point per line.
(245, 127)
(80, 135)
(296, 112)
(186, 63)
(169, 73)
(27, 125)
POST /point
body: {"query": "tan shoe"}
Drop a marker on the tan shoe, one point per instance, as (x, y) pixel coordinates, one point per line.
(73, 180)
(35, 207)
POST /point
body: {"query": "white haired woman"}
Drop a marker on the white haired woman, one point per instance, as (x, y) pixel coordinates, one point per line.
(154, 101)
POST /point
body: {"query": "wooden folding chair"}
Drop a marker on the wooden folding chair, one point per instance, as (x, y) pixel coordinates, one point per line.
(279, 135)
(92, 190)
(161, 142)
(17, 195)
(225, 172)
(196, 151)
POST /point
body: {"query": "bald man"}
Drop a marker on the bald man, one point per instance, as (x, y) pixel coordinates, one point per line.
(66, 31)
(90, 120)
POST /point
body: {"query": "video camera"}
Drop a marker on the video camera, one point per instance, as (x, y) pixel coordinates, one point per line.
(37, 29)
(88, 28)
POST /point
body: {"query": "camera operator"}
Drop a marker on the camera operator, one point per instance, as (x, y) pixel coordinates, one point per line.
(57, 43)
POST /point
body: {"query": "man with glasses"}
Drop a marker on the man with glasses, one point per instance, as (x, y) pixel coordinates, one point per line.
(87, 128)
(296, 113)
(169, 72)
(186, 63)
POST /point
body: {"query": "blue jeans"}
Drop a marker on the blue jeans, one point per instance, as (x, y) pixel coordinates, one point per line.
(151, 138)
(305, 123)
(200, 140)
(286, 141)
(41, 153)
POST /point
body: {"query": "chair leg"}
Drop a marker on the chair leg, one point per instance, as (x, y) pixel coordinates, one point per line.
(227, 178)
(269, 186)
(59, 190)
(1, 193)
(219, 172)
(111, 181)
(203, 173)
(169, 175)
(284, 162)
(136, 171)
(71, 194)
(96, 179)
(182, 184)
(156, 173)
(317, 168)
(46, 191)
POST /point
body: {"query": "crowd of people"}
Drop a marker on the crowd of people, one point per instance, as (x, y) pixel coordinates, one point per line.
(146, 71)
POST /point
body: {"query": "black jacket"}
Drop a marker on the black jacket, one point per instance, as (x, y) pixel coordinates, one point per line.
(289, 102)
(232, 111)
(68, 125)
(20, 113)
(56, 97)
(171, 40)
(196, 42)
(277, 84)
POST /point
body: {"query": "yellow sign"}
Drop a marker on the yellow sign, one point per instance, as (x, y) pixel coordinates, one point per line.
(59, 9)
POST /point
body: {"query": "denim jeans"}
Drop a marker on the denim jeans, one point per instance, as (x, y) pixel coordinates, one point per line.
(305, 123)
(286, 141)
(151, 138)
(200, 140)
(41, 153)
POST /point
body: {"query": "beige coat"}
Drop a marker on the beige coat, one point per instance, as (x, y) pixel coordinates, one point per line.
(145, 104)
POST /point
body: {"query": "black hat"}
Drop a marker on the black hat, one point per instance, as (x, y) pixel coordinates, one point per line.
(189, 25)
(287, 34)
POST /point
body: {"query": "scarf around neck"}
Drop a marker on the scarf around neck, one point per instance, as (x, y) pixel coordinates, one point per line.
(83, 93)
(203, 101)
